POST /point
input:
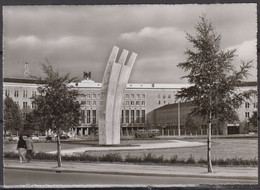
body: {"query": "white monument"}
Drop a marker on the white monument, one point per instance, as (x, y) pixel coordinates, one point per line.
(112, 93)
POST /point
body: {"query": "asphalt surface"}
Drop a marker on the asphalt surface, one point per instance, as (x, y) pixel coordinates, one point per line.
(19, 177)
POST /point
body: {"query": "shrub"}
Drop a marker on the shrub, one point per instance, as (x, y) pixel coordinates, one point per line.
(132, 159)
(202, 161)
(173, 159)
(11, 155)
(191, 160)
(111, 158)
(45, 156)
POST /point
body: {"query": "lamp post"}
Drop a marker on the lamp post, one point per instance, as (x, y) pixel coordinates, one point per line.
(179, 120)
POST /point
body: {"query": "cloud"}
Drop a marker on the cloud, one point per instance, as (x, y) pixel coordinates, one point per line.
(77, 38)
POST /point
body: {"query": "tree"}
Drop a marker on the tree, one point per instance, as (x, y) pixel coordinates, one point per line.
(253, 119)
(191, 126)
(56, 105)
(13, 120)
(214, 79)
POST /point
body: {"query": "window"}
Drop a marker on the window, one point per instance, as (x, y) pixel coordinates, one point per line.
(143, 95)
(247, 105)
(88, 96)
(25, 105)
(137, 116)
(33, 93)
(132, 116)
(94, 96)
(169, 96)
(94, 116)
(143, 103)
(138, 96)
(88, 116)
(255, 104)
(24, 94)
(164, 96)
(247, 114)
(127, 116)
(137, 103)
(7, 92)
(132, 103)
(127, 103)
(82, 114)
(33, 105)
(143, 116)
(159, 102)
(132, 96)
(94, 103)
(88, 102)
(16, 93)
(83, 102)
(159, 95)
(127, 96)
(122, 116)
(99, 96)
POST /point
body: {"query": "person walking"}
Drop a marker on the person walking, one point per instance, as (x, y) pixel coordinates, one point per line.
(29, 149)
(21, 147)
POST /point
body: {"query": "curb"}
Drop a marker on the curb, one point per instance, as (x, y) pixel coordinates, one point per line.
(60, 170)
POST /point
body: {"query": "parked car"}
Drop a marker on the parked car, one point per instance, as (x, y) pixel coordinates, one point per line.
(64, 136)
(34, 137)
(146, 133)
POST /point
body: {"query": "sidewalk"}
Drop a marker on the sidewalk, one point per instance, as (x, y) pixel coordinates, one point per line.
(132, 169)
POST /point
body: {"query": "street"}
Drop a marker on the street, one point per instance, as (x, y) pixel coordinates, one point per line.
(23, 177)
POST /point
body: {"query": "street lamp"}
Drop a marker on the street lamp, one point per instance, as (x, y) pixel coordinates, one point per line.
(179, 120)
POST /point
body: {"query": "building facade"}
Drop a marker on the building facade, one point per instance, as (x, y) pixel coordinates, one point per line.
(139, 105)
(173, 117)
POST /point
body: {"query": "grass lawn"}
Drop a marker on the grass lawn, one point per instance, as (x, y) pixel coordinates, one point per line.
(245, 148)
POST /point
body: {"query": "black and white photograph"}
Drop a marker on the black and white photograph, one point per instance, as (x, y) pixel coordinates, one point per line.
(138, 95)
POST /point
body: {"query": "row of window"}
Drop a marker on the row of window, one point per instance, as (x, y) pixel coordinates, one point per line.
(127, 96)
(87, 117)
(16, 93)
(164, 96)
(94, 96)
(137, 96)
(133, 116)
(137, 103)
(247, 105)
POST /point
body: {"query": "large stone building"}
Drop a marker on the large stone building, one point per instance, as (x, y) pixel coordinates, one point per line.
(139, 105)
(173, 117)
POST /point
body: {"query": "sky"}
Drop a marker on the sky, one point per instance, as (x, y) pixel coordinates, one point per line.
(74, 39)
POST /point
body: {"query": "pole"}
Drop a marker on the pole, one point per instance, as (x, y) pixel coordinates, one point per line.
(179, 120)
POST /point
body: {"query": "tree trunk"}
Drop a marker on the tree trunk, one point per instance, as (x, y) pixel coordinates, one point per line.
(210, 169)
(58, 149)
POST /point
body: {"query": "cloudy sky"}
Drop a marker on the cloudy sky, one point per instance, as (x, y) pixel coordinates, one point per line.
(80, 38)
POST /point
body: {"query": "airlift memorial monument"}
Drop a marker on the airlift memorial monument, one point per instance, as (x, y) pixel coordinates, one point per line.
(114, 83)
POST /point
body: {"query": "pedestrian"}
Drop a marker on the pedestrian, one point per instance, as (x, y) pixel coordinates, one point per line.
(21, 147)
(29, 149)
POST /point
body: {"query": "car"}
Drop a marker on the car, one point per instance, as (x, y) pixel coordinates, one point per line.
(34, 137)
(64, 136)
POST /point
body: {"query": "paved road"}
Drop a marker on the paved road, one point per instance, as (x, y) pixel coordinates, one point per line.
(22, 177)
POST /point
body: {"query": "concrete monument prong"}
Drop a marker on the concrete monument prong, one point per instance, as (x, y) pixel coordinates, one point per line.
(113, 86)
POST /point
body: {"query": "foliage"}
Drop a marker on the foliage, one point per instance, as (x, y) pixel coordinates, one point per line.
(213, 76)
(253, 119)
(191, 126)
(13, 120)
(57, 107)
(149, 158)
(111, 158)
